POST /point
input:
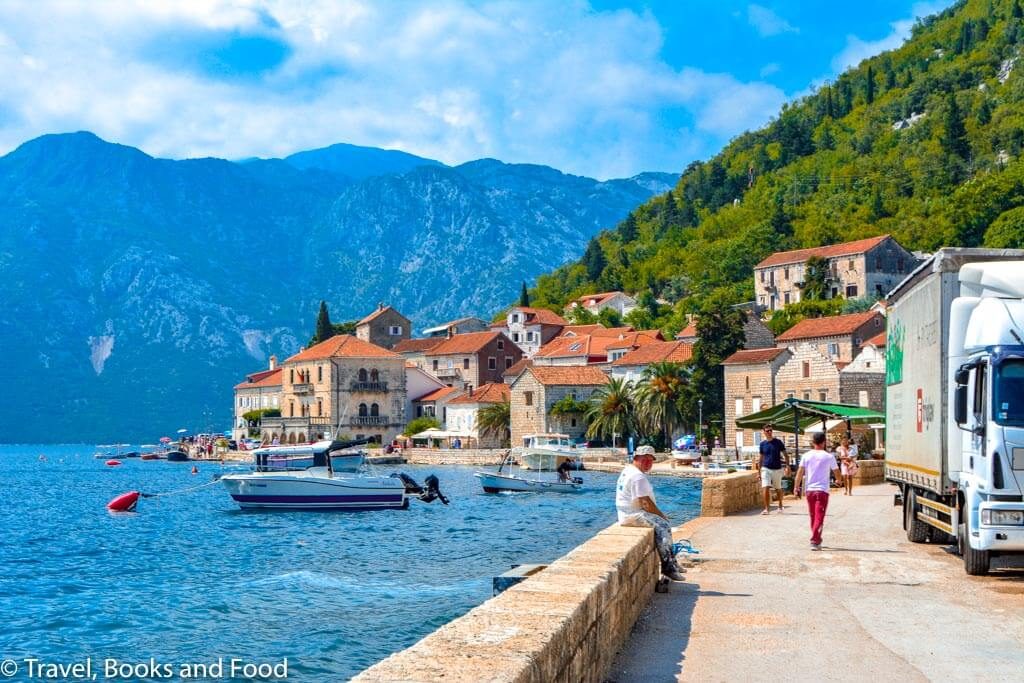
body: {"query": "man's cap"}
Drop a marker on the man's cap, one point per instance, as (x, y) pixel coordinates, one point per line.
(644, 450)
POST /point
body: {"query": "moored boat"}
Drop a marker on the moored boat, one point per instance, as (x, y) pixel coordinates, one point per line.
(500, 482)
(545, 452)
(302, 456)
(176, 456)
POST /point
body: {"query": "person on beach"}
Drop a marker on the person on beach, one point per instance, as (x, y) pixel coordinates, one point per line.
(636, 506)
(815, 467)
(771, 463)
(847, 463)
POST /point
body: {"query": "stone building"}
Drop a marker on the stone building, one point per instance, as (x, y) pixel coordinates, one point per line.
(434, 404)
(463, 411)
(862, 382)
(838, 337)
(260, 390)
(630, 366)
(808, 374)
(595, 303)
(750, 386)
(343, 385)
(864, 268)
(415, 350)
(756, 334)
(531, 328)
(385, 327)
(537, 389)
(592, 349)
(471, 360)
(459, 326)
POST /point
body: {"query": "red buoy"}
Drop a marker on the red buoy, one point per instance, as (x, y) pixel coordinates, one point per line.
(126, 502)
(113, 463)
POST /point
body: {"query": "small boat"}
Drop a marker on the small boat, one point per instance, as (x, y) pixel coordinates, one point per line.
(545, 452)
(302, 456)
(152, 455)
(319, 488)
(498, 482)
(114, 452)
(176, 456)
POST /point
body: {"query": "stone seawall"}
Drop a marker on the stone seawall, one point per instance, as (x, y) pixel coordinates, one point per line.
(454, 456)
(869, 472)
(564, 624)
(730, 493)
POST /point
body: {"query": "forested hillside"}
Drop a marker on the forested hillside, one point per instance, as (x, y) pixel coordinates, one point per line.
(923, 142)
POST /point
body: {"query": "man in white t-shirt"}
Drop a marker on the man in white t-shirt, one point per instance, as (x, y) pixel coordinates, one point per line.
(634, 501)
(815, 467)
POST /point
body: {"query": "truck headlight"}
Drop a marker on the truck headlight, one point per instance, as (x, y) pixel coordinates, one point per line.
(1002, 517)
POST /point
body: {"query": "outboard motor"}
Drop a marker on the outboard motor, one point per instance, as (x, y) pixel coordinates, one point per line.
(411, 487)
(433, 491)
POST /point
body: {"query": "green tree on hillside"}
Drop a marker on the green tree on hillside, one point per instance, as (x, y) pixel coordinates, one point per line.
(524, 296)
(595, 260)
(954, 138)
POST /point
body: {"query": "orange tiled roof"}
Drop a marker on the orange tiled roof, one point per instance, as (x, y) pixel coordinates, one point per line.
(373, 316)
(598, 299)
(877, 340)
(635, 339)
(435, 394)
(417, 345)
(781, 258)
(469, 342)
(264, 378)
(518, 367)
(752, 356)
(495, 392)
(832, 326)
(541, 316)
(566, 347)
(568, 375)
(671, 351)
(688, 331)
(345, 346)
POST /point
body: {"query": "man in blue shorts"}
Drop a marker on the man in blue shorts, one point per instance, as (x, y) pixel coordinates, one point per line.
(771, 463)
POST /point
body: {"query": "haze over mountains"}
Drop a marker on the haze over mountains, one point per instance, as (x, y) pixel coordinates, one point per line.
(138, 290)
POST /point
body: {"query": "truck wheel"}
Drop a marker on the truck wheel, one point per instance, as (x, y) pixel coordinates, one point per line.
(976, 562)
(917, 531)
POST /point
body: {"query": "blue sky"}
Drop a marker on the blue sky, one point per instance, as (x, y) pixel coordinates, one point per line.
(606, 88)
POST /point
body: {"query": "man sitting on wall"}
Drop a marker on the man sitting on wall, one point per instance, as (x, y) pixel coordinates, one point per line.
(634, 501)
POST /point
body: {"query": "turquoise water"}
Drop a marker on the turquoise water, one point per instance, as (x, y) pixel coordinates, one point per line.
(190, 578)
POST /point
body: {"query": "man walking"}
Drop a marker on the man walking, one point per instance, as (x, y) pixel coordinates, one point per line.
(771, 462)
(634, 501)
(815, 466)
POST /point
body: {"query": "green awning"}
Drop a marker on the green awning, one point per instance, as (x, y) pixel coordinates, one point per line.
(808, 415)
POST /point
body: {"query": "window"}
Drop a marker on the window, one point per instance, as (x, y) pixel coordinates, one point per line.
(574, 422)
(771, 278)
(319, 373)
(757, 405)
(862, 398)
(374, 375)
(319, 407)
(515, 317)
(419, 411)
(790, 394)
(291, 408)
(833, 350)
(785, 299)
(508, 362)
(362, 410)
(807, 396)
(529, 336)
(291, 376)
(240, 405)
(899, 264)
(515, 337)
(823, 396)
(435, 364)
(739, 407)
(362, 375)
(501, 345)
(465, 364)
(785, 273)
(878, 290)
(492, 363)
(878, 263)
(395, 330)
(374, 410)
(849, 265)
(528, 397)
(805, 370)
(762, 276)
(747, 381)
(851, 291)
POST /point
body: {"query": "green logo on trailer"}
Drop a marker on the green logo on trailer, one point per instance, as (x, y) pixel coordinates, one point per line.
(894, 354)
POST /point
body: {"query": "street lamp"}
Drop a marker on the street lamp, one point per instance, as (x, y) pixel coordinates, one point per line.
(700, 419)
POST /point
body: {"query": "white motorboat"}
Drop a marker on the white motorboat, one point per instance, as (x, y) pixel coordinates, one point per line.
(498, 482)
(303, 456)
(545, 452)
(319, 488)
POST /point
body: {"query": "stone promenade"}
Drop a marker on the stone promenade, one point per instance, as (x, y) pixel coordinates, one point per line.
(869, 607)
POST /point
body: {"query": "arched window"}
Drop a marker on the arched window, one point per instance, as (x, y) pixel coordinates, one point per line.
(362, 374)
(362, 410)
(291, 409)
(291, 376)
(374, 375)
(374, 410)
(291, 438)
(301, 438)
(319, 373)
(319, 408)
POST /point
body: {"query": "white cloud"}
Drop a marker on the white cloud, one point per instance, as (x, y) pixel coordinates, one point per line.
(769, 69)
(857, 50)
(767, 23)
(552, 83)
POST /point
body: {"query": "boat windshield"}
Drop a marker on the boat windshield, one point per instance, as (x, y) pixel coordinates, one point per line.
(1009, 393)
(551, 441)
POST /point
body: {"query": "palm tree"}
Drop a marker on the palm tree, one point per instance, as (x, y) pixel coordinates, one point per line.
(612, 410)
(496, 420)
(659, 395)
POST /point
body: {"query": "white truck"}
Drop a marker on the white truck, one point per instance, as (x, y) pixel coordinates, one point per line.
(955, 402)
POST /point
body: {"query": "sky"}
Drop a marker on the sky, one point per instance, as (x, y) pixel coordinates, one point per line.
(605, 89)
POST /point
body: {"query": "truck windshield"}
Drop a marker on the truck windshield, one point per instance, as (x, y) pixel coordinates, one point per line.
(1009, 393)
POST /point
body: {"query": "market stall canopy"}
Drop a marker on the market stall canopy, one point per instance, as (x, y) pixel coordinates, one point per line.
(434, 433)
(808, 415)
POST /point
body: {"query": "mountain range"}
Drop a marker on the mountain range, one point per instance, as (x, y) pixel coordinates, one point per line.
(139, 290)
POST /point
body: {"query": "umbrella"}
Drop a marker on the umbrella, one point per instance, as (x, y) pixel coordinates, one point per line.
(165, 439)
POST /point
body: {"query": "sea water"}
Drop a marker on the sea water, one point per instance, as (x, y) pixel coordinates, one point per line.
(189, 579)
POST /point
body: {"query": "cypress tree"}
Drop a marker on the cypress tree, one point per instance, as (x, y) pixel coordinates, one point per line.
(524, 296)
(869, 86)
(984, 112)
(954, 138)
(627, 229)
(594, 260)
(324, 329)
(830, 110)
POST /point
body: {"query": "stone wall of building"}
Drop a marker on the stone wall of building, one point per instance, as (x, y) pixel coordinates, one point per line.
(526, 419)
(821, 382)
(378, 330)
(565, 623)
(747, 383)
(728, 494)
(855, 386)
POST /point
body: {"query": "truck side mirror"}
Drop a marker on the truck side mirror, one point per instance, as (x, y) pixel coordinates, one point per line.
(960, 402)
(962, 374)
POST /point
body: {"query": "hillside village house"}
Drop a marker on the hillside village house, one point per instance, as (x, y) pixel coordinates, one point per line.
(385, 327)
(415, 350)
(343, 385)
(750, 386)
(864, 268)
(260, 390)
(592, 349)
(756, 334)
(510, 375)
(862, 382)
(595, 303)
(460, 326)
(537, 389)
(471, 360)
(838, 337)
(434, 404)
(631, 366)
(418, 383)
(531, 328)
(463, 411)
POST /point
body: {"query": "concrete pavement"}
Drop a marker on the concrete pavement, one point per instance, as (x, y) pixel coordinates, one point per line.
(871, 605)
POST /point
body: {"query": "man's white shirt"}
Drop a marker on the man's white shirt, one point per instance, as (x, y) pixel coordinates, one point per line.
(632, 485)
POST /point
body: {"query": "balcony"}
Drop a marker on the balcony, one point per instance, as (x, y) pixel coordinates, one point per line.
(371, 387)
(447, 372)
(303, 388)
(369, 421)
